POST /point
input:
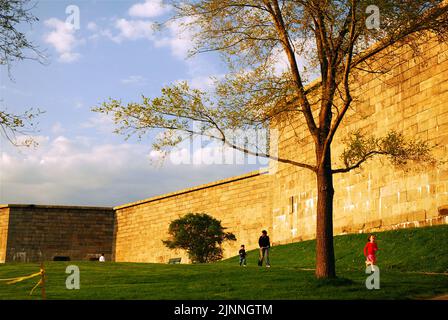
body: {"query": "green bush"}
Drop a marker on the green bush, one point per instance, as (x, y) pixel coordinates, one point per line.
(200, 235)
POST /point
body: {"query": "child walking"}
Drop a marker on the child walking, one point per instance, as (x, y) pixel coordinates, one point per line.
(370, 250)
(242, 254)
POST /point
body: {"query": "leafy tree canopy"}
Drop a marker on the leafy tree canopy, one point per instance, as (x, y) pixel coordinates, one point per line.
(14, 46)
(200, 235)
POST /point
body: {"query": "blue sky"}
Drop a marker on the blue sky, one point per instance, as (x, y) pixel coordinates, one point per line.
(114, 53)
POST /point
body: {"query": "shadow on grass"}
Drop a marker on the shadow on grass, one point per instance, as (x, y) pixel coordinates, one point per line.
(333, 282)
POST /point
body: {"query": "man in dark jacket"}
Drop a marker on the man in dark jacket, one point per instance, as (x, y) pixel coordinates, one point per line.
(264, 244)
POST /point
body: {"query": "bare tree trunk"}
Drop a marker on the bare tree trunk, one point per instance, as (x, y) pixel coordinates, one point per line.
(325, 261)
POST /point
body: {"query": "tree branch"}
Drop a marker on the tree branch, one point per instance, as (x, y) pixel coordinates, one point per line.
(284, 37)
(359, 163)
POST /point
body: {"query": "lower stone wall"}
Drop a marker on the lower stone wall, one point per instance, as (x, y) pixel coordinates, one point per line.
(442, 219)
(245, 206)
(134, 232)
(357, 208)
(241, 203)
(44, 232)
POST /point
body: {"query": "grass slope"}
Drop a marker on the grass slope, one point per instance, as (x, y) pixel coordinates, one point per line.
(405, 257)
(418, 249)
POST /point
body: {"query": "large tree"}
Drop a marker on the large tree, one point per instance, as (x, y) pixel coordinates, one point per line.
(327, 37)
(14, 47)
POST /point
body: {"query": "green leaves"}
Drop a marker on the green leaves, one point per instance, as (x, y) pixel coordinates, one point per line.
(13, 47)
(401, 150)
(13, 42)
(12, 125)
(172, 112)
(200, 235)
(181, 112)
(358, 148)
(398, 149)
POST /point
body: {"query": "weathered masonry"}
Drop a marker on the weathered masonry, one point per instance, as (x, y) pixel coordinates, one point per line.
(35, 233)
(412, 97)
(241, 203)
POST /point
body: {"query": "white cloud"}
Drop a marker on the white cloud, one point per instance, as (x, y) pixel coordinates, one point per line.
(76, 171)
(149, 9)
(63, 39)
(202, 82)
(132, 30)
(57, 128)
(68, 57)
(101, 122)
(134, 79)
(205, 83)
(92, 26)
(99, 32)
(70, 171)
(280, 63)
(179, 38)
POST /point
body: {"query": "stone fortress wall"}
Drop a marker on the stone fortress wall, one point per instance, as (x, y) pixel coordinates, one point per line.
(411, 98)
(31, 233)
(241, 203)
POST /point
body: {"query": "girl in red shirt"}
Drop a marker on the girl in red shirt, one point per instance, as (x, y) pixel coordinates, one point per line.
(370, 249)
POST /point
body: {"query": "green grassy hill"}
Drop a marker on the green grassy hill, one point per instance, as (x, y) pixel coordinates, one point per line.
(421, 249)
(413, 265)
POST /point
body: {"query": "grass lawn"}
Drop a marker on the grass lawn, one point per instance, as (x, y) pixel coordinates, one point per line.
(413, 265)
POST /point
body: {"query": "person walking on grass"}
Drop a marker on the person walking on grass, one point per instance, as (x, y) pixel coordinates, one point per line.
(370, 250)
(264, 244)
(242, 254)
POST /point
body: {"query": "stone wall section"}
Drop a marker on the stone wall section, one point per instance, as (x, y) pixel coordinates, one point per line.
(38, 233)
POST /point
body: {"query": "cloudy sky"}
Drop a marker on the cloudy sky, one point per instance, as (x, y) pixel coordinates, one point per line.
(116, 53)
